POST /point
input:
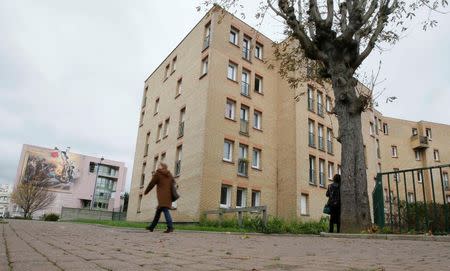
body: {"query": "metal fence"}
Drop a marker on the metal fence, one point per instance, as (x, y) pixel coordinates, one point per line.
(413, 200)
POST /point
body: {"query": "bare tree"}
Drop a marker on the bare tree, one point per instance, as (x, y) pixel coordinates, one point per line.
(337, 36)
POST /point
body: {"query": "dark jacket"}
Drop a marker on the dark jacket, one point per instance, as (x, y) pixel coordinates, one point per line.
(334, 195)
(163, 180)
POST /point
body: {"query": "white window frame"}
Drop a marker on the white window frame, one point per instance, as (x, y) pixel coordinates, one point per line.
(322, 172)
(228, 197)
(156, 106)
(419, 176)
(230, 109)
(259, 51)
(303, 202)
(160, 127)
(436, 155)
(243, 151)
(174, 64)
(166, 127)
(394, 151)
(256, 158)
(260, 85)
(179, 86)
(232, 71)
(428, 133)
(328, 103)
(257, 119)
(228, 147)
(418, 155)
(330, 171)
(257, 194)
(243, 197)
(234, 36)
(205, 63)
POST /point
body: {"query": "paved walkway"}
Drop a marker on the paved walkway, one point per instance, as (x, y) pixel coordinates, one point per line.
(33, 245)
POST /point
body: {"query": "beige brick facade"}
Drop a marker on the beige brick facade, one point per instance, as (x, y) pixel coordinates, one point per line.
(281, 180)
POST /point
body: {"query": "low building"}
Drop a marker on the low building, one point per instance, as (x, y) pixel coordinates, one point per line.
(78, 181)
(5, 200)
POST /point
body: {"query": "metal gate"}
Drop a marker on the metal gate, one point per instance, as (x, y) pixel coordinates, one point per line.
(413, 200)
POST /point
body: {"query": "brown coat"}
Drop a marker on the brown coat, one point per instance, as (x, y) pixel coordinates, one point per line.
(163, 180)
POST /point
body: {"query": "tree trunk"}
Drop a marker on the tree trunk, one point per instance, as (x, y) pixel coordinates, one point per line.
(355, 210)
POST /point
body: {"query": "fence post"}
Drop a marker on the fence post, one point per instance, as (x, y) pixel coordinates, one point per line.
(445, 202)
(434, 202)
(240, 219)
(378, 204)
(264, 212)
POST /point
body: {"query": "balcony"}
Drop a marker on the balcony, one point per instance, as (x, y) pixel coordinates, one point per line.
(243, 167)
(419, 142)
(245, 88)
(244, 127)
(181, 129)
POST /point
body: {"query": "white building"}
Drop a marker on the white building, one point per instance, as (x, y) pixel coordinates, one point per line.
(5, 199)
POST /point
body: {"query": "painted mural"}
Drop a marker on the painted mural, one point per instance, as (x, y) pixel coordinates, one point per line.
(57, 169)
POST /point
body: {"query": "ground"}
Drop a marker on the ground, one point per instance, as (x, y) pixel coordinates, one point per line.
(35, 245)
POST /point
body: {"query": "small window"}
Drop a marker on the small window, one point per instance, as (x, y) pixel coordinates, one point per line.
(304, 204)
(179, 155)
(179, 86)
(256, 161)
(156, 106)
(310, 99)
(166, 127)
(328, 104)
(174, 64)
(155, 163)
(259, 51)
(256, 198)
(385, 128)
(445, 180)
(230, 109)
(144, 97)
(418, 155)
(141, 121)
(257, 118)
(225, 196)
(158, 135)
(166, 71)
(320, 104)
(232, 70)
(311, 138)
(246, 43)
(420, 176)
(312, 170)
(205, 66)
(436, 155)
(258, 84)
(245, 84)
(320, 130)
(241, 198)
(234, 36)
(143, 175)
(372, 128)
(339, 169)
(163, 157)
(207, 36)
(147, 139)
(428, 133)
(228, 151)
(410, 197)
(394, 151)
(322, 173)
(396, 175)
(330, 171)
(414, 131)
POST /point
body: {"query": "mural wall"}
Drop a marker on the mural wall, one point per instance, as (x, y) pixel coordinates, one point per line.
(54, 168)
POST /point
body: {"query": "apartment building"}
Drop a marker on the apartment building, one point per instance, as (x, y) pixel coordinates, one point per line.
(235, 134)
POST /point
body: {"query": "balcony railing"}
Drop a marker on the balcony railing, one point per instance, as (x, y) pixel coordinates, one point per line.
(311, 142)
(243, 167)
(177, 168)
(312, 176)
(206, 42)
(181, 129)
(419, 142)
(246, 53)
(244, 126)
(245, 88)
(311, 104)
(330, 147)
(321, 144)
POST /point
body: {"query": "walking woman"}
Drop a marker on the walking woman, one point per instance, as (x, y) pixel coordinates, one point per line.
(334, 202)
(163, 180)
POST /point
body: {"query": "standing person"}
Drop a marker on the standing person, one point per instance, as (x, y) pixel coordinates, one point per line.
(163, 180)
(334, 202)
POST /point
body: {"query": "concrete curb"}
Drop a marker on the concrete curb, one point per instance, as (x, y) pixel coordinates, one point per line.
(387, 237)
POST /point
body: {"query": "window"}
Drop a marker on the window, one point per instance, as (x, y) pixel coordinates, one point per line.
(259, 51)
(321, 172)
(418, 155)
(246, 48)
(179, 154)
(156, 106)
(181, 123)
(378, 149)
(376, 125)
(244, 120)
(330, 171)
(139, 204)
(158, 135)
(330, 141)
(312, 172)
(232, 70)
(339, 169)
(321, 138)
(372, 129)
(245, 86)
(234, 36)
(166, 71)
(258, 84)
(225, 196)
(147, 138)
(166, 127)
(311, 139)
(396, 175)
(256, 161)
(328, 104)
(141, 121)
(155, 163)
(207, 36)
(174, 64)
(243, 160)
(228, 150)
(143, 175)
(428, 133)
(241, 198)
(414, 131)
(445, 179)
(257, 117)
(379, 124)
(179, 83)
(256, 198)
(310, 99)
(205, 66)
(410, 197)
(304, 204)
(394, 151)
(385, 128)
(230, 109)
(420, 176)
(163, 157)
(319, 104)
(144, 97)
(436, 155)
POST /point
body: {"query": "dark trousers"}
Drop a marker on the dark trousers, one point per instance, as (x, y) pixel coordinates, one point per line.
(335, 218)
(158, 216)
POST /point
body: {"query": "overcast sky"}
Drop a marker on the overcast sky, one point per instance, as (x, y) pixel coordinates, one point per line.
(72, 72)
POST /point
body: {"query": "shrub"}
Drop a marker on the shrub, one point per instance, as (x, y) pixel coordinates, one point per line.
(51, 217)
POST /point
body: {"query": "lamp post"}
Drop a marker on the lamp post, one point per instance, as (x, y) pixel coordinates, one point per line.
(95, 182)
